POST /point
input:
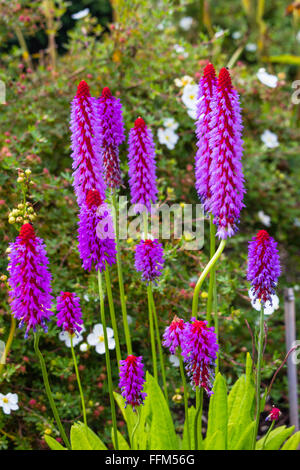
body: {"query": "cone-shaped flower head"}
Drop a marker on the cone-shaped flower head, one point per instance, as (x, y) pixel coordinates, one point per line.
(226, 175)
(206, 92)
(69, 315)
(30, 280)
(149, 259)
(173, 334)
(263, 266)
(142, 178)
(274, 415)
(87, 161)
(132, 381)
(96, 238)
(111, 136)
(199, 350)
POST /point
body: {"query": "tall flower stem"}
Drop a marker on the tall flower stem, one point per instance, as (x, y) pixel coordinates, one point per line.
(186, 403)
(107, 358)
(258, 373)
(112, 312)
(48, 390)
(212, 278)
(160, 350)
(216, 322)
(207, 269)
(79, 382)
(120, 277)
(199, 406)
(152, 336)
(135, 428)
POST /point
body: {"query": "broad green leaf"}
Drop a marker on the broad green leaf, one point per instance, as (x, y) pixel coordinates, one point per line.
(217, 413)
(53, 444)
(292, 443)
(128, 414)
(245, 441)
(162, 432)
(83, 438)
(192, 413)
(215, 441)
(275, 439)
(123, 445)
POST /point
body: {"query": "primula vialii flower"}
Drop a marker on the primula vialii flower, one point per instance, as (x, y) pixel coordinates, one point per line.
(263, 266)
(69, 315)
(226, 176)
(274, 415)
(173, 334)
(111, 136)
(149, 259)
(30, 280)
(87, 161)
(199, 350)
(142, 178)
(132, 381)
(206, 92)
(96, 240)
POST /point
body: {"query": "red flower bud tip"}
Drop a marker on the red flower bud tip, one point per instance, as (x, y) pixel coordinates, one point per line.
(66, 295)
(274, 415)
(139, 123)
(106, 93)
(93, 198)
(262, 236)
(83, 90)
(209, 71)
(27, 233)
(224, 79)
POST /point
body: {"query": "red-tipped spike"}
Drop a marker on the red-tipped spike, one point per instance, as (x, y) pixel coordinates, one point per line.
(225, 79)
(83, 90)
(209, 71)
(139, 123)
(262, 236)
(93, 198)
(27, 232)
(106, 93)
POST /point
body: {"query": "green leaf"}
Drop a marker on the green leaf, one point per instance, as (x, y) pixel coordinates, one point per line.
(283, 59)
(292, 443)
(53, 444)
(245, 441)
(83, 438)
(217, 413)
(128, 414)
(275, 439)
(216, 441)
(123, 445)
(192, 413)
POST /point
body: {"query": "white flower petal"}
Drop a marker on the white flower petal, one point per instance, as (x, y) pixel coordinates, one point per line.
(98, 329)
(80, 14)
(93, 339)
(111, 343)
(100, 347)
(110, 332)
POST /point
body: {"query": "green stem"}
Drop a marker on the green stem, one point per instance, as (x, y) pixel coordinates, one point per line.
(120, 277)
(112, 312)
(8, 343)
(186, 403)
(152, 336)
(199, 406)
(207, 269)
(212, 237)
(267, 435)
(107, 358)
(216, 323)
(160, 350)
(135, 428)
(79, 382)
(258, 373)
(48, 390)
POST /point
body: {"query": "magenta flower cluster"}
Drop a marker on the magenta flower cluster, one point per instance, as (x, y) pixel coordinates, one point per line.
(263, 266)
(132, 381)
(69, 315)
(30, 280)
(111, 136)
(173, 335)
(149, 259)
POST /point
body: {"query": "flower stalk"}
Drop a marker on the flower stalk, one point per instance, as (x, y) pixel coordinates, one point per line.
(78, 382)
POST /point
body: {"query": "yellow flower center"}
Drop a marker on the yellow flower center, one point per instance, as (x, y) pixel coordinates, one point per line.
(101, 338)
(5, 400)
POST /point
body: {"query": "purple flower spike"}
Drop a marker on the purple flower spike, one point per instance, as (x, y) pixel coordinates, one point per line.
(69, 315)
(132, 381)
(96, 239)
(142, 178)
(149, 259)
(30, 280)
(206, 91)
(263, 266)
(111, 136)
(226, 175)
(173, 334)
(199, 350)
(87, 161)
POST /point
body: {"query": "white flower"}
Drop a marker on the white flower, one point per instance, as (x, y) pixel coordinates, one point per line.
(236, 35)
(129, 319)
(266, 78)
(219, 34)
(160, 26)
(189, 96)
(174, 360)
(298, 36)
(170, 123)
(86, 297)
(268, 307)
(181, 82)
(9, 402)
(297, 222)
(83, 347)
(264, 218)
(270, 139)
(251, 47)
(81, 14)
(180, 50)
(192, 112)
(66, 337)
(96, 338)
(186, 22)
(167, 137)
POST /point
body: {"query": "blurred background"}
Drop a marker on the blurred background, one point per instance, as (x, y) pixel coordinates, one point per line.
(151, 54)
